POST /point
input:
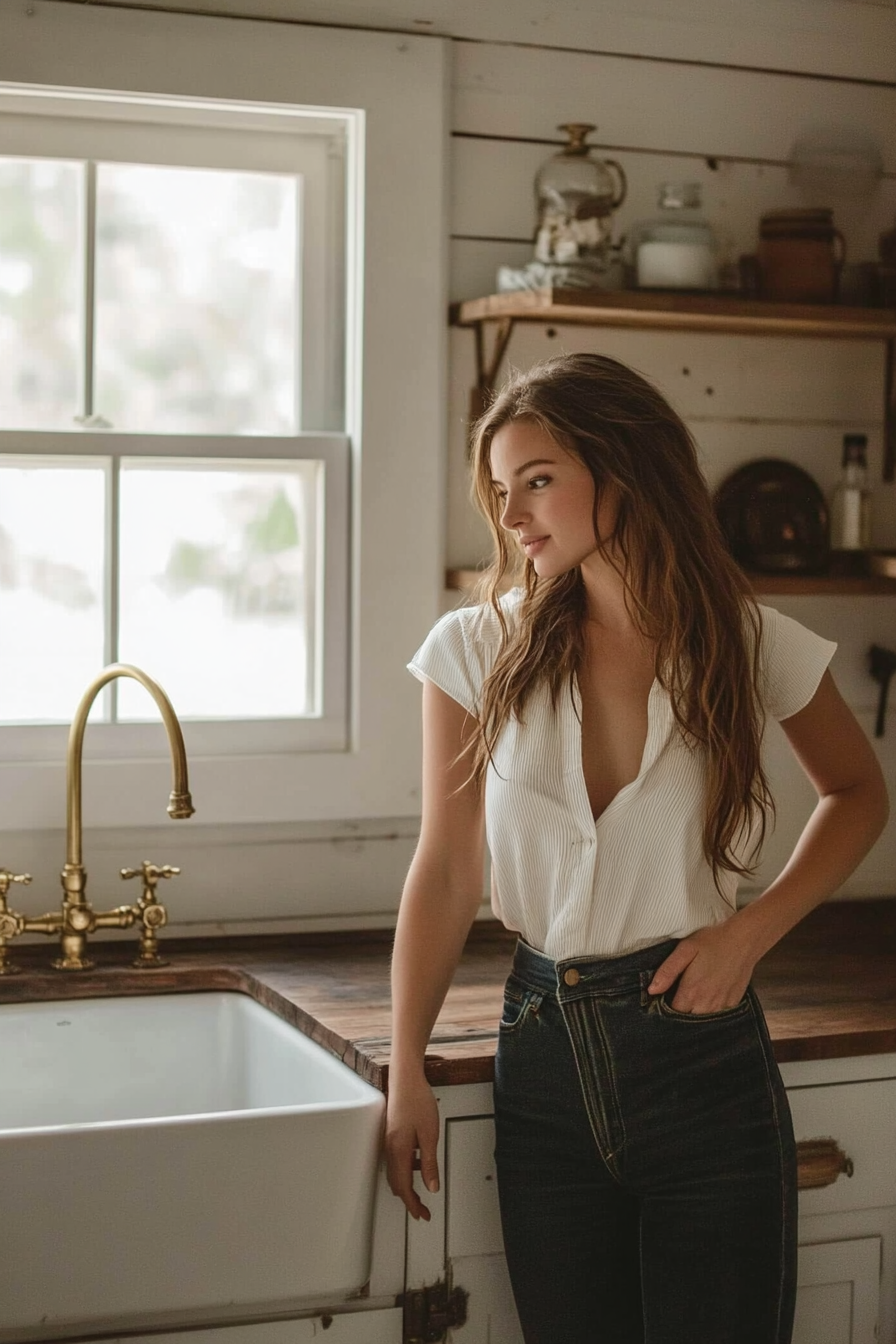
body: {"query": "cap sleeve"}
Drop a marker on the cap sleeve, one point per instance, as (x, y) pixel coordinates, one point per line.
(459, 651)
(794, 660)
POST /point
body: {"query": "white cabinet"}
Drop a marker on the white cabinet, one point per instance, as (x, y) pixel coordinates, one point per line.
(838, 1298)
(847, 1267)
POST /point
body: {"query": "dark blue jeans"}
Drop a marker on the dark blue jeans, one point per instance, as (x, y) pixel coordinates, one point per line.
(646, 1161)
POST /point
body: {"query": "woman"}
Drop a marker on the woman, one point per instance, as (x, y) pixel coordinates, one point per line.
(603, 723)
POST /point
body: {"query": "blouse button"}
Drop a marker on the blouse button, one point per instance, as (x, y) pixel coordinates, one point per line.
(571, 977)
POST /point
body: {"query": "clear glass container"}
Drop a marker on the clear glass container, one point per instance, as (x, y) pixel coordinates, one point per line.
(851, 500)
(678, 249)
(576, 195)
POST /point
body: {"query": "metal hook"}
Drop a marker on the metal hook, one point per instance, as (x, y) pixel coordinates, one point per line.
(882, 665)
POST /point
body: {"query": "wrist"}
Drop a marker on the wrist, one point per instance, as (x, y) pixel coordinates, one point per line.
(407, 1070)
(757, 930)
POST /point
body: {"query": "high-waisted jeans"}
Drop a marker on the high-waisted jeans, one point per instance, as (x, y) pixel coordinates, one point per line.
(646, 1161)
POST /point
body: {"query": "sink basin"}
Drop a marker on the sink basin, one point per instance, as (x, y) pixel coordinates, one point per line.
(175, 1159)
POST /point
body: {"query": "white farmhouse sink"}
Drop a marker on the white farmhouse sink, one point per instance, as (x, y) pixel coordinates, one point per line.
(172, 1159)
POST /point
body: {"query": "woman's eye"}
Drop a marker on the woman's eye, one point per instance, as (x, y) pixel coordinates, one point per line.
(538, 481)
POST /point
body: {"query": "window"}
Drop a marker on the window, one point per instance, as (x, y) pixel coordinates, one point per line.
(173, 456)
(261, 844)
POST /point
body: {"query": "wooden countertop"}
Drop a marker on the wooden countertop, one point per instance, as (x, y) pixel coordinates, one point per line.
(828, 989)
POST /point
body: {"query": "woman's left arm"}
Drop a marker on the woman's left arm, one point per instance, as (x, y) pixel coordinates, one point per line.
(715, 964)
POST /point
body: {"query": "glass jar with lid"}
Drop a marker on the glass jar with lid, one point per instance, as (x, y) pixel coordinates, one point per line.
(575, 196)
(678, 249)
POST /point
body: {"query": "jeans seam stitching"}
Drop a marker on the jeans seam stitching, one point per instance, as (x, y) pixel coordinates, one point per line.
(529, 1006)
(608, 1158)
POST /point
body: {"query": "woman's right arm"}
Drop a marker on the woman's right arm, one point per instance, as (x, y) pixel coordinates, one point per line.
(442, 893)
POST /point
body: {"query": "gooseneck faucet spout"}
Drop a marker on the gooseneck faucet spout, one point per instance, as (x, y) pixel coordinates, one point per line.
(78, 917)
(180, 804)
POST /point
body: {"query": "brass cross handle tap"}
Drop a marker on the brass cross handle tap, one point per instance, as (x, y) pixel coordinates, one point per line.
(11, 923)
(149, 910)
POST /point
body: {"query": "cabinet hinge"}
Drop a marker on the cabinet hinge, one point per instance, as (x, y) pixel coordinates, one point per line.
(429, 1313)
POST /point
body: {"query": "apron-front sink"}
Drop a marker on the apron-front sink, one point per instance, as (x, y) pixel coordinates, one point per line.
(171, 1159)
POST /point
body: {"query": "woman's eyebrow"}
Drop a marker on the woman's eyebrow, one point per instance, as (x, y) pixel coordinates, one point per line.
(535, 462)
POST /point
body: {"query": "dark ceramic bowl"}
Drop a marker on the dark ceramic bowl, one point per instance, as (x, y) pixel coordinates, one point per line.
(775, 518)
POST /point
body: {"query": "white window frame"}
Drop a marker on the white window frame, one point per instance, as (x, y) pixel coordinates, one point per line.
(394, 403)
(173, 132)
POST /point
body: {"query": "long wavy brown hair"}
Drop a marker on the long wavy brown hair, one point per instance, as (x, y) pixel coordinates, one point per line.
(683, 589)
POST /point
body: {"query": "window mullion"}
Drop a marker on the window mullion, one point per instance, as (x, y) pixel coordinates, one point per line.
(89, 290)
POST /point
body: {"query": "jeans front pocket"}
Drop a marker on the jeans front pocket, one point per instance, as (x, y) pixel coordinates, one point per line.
(661, 1005)
(519, 1002)
(665, 1010)
(664, 1007)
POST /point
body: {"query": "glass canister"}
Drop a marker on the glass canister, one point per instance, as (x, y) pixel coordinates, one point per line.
(576, 195)
(678, 249)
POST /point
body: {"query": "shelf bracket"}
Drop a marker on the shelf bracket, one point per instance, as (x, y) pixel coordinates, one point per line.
(890, 412)
(487, 366)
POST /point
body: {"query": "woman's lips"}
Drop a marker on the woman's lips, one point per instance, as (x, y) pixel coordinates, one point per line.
(533, 545)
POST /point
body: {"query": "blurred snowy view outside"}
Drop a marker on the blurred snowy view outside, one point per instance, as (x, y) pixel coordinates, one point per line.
(212, 586)
(41, 293)
(196, 332)
(196, 300)
(51, 608)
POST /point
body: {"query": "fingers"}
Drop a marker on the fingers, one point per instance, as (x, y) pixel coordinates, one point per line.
(402, 1160)
(411, 1143)
(675, 964)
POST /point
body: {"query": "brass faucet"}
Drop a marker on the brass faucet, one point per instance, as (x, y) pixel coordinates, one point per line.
(77, 918)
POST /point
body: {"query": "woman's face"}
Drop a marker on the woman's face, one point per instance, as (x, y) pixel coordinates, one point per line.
(547, 498)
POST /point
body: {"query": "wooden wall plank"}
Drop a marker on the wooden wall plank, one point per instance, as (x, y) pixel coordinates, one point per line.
(656, 105)
(473, 265)
(751, 377)
(855, 40)
(492, 195)
(831, 38)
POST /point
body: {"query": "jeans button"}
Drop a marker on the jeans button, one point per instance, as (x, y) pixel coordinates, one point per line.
(571, 977)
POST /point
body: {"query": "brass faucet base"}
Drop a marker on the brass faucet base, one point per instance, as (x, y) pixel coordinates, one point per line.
(149, 963)
(73, 964)
(9, 969)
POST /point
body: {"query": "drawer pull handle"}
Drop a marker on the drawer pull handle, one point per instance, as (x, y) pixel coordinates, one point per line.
(820, 1162)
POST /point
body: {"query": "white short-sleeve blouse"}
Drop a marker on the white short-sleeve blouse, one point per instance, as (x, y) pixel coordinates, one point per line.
(571, 885)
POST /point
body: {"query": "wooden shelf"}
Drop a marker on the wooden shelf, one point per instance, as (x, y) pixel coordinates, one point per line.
(662, 310)
(665, 311)
(796, 585)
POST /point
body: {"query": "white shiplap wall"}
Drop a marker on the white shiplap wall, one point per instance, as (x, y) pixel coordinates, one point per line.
(744, 397)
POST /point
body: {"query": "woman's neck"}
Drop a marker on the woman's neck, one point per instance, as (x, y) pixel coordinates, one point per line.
(606, 595)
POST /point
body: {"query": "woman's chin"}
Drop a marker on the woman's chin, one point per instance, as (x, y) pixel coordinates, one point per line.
(547, 570)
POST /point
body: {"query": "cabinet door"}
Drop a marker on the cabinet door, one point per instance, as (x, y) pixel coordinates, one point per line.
(491, 1312)
(474, 1220)
(839, 1292)
(474, 1242)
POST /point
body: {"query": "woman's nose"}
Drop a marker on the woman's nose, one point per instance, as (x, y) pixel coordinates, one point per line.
(512, 513)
